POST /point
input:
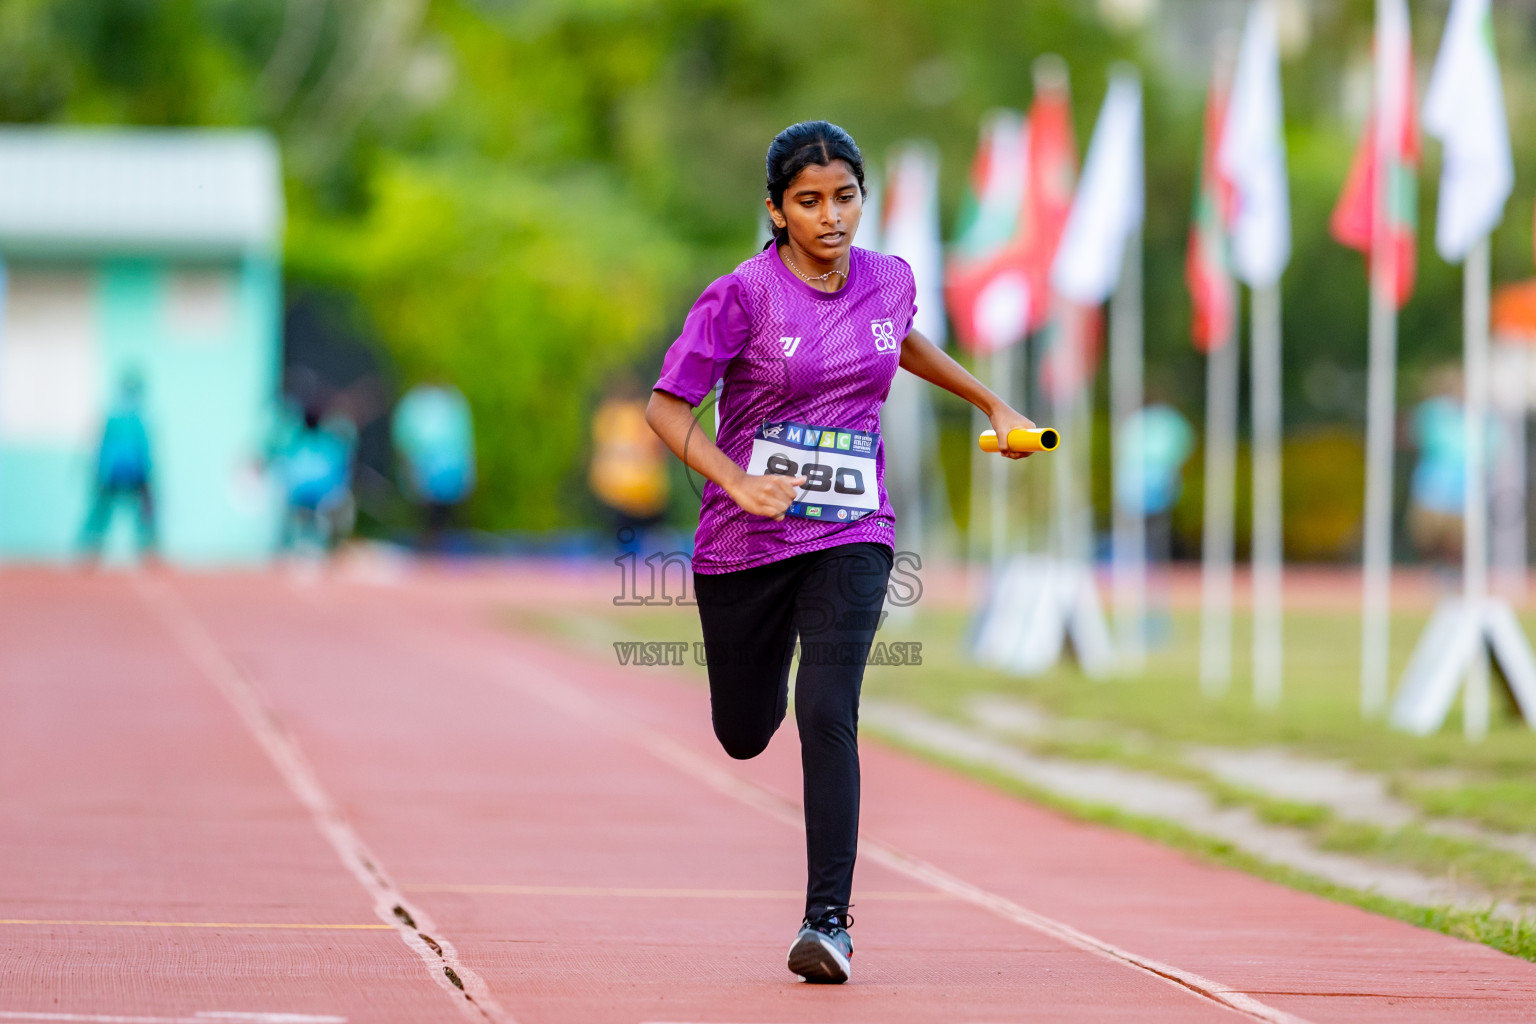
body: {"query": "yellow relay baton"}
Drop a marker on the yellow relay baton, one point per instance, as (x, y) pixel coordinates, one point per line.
(1023, 439)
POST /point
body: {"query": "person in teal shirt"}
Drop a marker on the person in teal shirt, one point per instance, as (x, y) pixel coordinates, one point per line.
(123, 470)
(1161, 439)
(1437, 489)
(313, 457)
(435, 439)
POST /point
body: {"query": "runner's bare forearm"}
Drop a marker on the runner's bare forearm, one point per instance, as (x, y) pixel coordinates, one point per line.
(762, 495)
(672, 420)
(923, 358)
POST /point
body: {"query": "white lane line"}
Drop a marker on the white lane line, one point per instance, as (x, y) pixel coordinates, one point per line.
(470, 993)
(556, 691)
(206, 1017)
(919, 870)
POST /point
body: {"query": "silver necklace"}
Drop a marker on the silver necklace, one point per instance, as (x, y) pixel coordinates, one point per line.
(812, 280)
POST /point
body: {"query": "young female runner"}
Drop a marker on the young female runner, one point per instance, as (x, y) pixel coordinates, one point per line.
(796, 534)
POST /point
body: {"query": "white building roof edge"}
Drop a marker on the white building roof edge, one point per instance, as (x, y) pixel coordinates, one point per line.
(83, 190)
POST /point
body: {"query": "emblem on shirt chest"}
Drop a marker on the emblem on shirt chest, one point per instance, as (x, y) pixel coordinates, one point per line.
(885, 335)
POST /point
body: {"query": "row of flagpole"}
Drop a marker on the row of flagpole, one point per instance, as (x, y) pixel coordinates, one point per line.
(1464, 110)
(1039, 253)
(1375, 216)
(1246, 236)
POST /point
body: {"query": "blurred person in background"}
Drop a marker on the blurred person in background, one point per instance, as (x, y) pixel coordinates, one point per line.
(629, 472)
(123, 469)
(1161, 439)
(434, 437)
(1437, 488)
(313, 457)
(1437, 435)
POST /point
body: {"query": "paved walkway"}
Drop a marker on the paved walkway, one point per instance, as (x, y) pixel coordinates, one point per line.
(234, 799)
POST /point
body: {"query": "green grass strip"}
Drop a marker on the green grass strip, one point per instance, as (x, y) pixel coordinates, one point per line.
(1518, 938)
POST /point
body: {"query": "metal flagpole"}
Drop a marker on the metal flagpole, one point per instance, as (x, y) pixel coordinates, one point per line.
(977, 553)
(1082, 431)
(1453, 653)
(1507, 476)
(1064, 409)
(1381, 403)
(1002, 380)
(1221, 376)
(1130, 523)
(1476, 283)
(1268, 669)
(1464, 108)
(1018, 483)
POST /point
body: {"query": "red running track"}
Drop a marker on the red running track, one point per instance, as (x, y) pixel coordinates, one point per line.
(238, 799)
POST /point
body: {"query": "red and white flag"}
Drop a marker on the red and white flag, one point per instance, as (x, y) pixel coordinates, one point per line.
(1381, 193)
(1208, 264)
(1011, 223)
(988, 297)
(1048, 197)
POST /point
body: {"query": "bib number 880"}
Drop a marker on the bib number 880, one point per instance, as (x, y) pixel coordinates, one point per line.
(819, 477)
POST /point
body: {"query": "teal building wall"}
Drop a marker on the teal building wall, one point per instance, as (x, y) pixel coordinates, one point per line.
(205, 337)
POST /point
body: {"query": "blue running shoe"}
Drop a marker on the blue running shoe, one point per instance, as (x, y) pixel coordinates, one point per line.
(823, 950)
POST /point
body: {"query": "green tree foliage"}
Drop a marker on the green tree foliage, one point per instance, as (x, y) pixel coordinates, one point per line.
(525, 292)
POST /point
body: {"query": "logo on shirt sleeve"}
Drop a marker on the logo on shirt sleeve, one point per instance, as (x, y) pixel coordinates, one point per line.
(885, 335)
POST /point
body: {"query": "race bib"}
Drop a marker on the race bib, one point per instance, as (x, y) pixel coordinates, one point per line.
(838, 466)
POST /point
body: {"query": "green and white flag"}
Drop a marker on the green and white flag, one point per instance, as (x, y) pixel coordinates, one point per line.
(1464, 109)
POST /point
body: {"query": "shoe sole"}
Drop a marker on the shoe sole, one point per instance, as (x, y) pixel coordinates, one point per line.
(818, 961)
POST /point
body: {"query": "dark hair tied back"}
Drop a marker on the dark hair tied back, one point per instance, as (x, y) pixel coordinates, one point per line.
(800, 145)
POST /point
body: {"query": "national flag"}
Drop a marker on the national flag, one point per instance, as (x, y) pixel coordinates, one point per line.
(998, 295)
(1252, 154)
(1464, 109)
(1072, 346)
(988, 299)
(1110, 202)
(1051, 181)
(1381, 193)
(1072, 356)
(911, 230)
(1207, 266)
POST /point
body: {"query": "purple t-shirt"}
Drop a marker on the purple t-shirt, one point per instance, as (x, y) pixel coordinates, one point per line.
(789, 352)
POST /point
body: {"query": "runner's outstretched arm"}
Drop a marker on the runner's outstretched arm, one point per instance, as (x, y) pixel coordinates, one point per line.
(672, 419)
(925, 359)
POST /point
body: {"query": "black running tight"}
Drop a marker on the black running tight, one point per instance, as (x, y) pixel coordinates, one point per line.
(831, 601)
